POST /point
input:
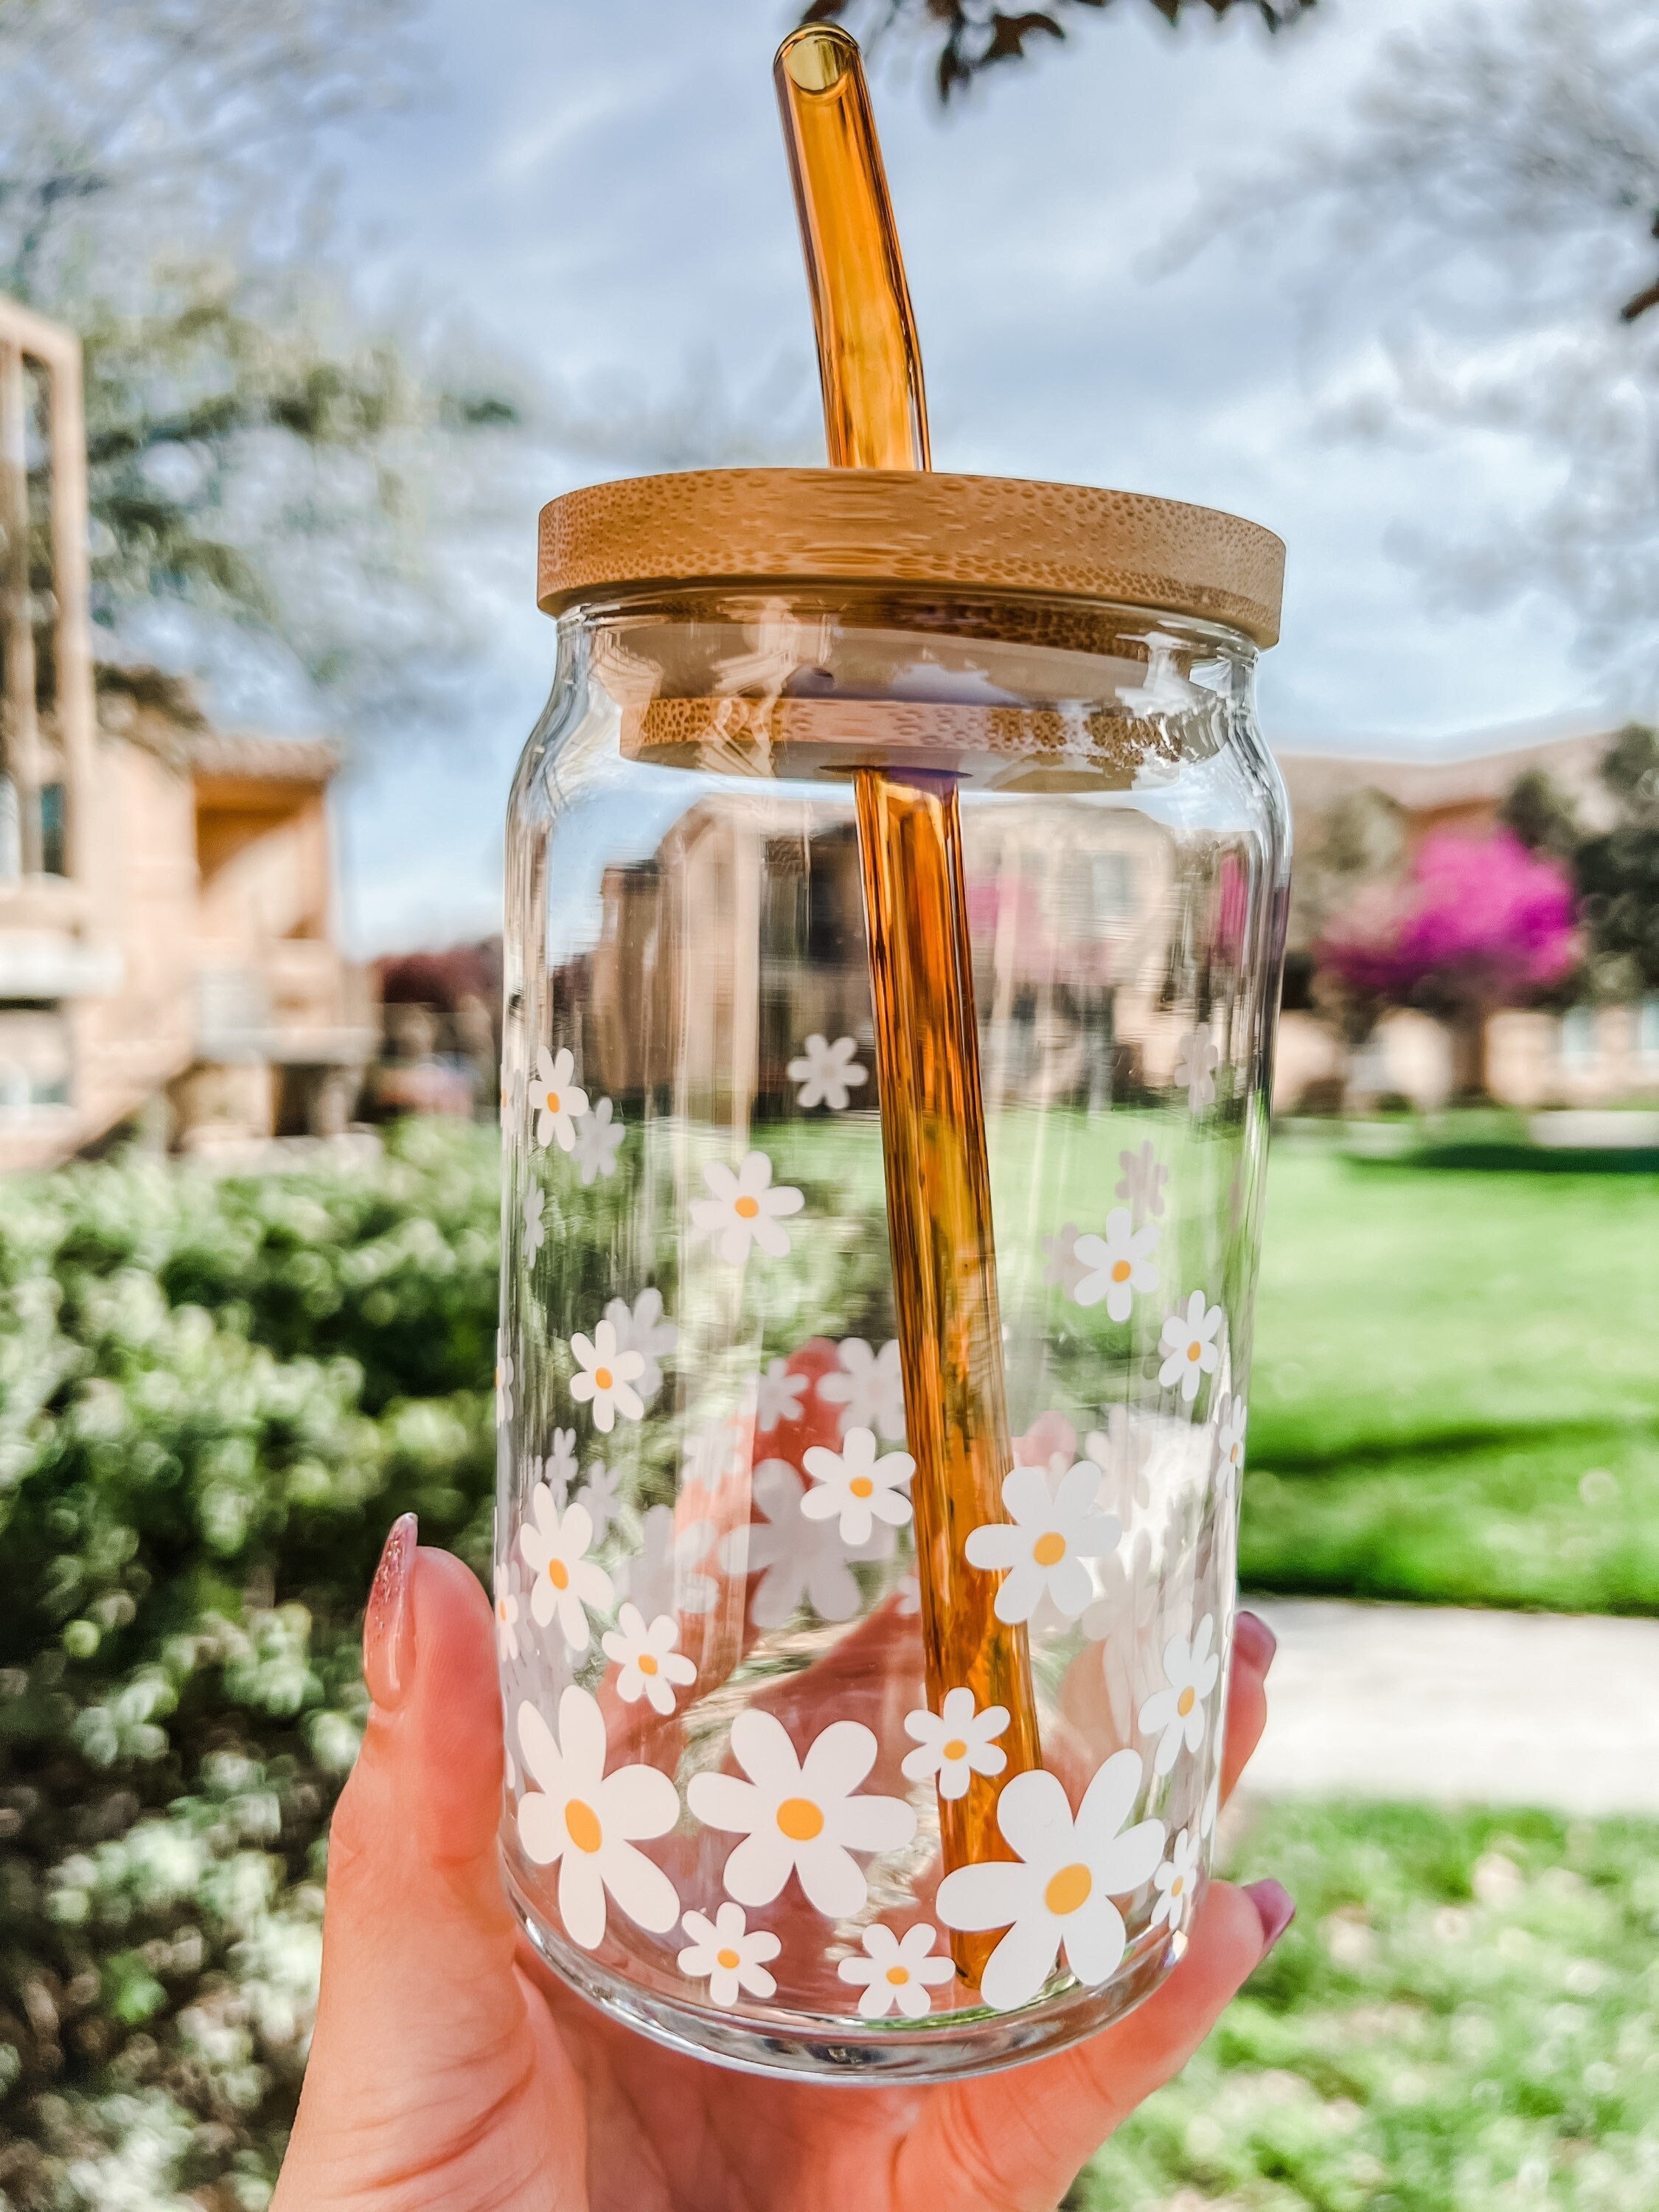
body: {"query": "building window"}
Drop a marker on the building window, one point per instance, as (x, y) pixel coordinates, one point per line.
(35, 1059)
(52, 830)
(1647, 1032)
(1578, 1046)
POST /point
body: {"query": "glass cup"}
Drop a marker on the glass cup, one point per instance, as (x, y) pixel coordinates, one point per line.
(829, 1754)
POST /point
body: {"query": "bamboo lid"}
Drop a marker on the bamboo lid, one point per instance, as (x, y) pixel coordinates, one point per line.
(901, 527)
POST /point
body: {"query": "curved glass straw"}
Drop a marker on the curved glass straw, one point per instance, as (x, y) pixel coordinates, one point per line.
(932, 1117)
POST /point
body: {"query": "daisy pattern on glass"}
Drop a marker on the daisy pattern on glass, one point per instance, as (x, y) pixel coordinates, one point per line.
(1142, 1183)
(1119, 1265)
(559, 1469)
(1060, 1263)
(586, 1822)
(795, 1558)
(868, 1387)
(645, 1330)
(729, 1955)
(1190, 1346)
(1122, 1451)
(777, 1396)
(745, 1209)
(899, 1970)
(1175, 1881)
(506, 1613)
(650, 1666)
(1177, 1715)
(1044, 1548)
(503, 1380)
(663, 1576)
(800, 1815)
(535, 1231)
(1231, 1416)
(855, 1488)
(597, 1141)
(567, 1581)
(1197, 1058)
(599, 1495)
(826, 1073)
(955, 1743)
(558, 1103)
(605, 1377)
(1058, 1895)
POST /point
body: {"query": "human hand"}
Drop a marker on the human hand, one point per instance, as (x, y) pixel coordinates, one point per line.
(450, 2072)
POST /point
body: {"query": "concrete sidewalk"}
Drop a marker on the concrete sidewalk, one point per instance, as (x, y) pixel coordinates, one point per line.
(1554, 1711)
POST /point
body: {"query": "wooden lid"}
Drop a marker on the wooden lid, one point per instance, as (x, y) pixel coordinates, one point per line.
(900, 527)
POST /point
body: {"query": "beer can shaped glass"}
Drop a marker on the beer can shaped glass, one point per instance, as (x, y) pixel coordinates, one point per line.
(873, 1394)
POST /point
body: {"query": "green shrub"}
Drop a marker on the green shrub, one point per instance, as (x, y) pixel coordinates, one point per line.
(214, 1397)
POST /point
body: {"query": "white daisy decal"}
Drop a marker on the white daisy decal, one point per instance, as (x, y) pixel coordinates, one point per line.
(1061, 1264)
(587, 1822)
(597, 1141)
(644, 1330)
(664, 1576)
(506, 1613)
(606, 1377)
(558, 1102)
(777, 1396)
(1122, 1451)
(1060, 1895)
(1197, 1058)
(800, 1815)
(869, 1387)
(567, 1581)
(897, 1970)
(535, 1230)
(651, 1667)
(1190, 1346)
(503, 1380)
(826, 1073)
(1231, 1415)
(956, 1743)
(795, 1558)
(599, 1495)
(745, 1209)
(856, 1488)
(1050, 1538)
(1119, 1264)
(1179, 1712)
(1142, 1183)
(559, 1469)
(728, 1955)
(1175, 1881)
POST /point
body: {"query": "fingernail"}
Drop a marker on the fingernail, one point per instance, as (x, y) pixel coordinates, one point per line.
(1254, 1641)
(389, 1624)
(1275, 1907)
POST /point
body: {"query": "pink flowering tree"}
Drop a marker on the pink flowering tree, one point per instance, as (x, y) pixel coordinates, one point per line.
(1479, 923)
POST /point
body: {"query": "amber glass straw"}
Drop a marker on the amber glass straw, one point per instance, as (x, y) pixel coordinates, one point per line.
(933, 1116)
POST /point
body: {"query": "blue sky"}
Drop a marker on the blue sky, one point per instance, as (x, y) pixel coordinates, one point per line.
(600, 189)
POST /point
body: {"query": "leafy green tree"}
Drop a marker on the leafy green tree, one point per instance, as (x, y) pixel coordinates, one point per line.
(1618, 870)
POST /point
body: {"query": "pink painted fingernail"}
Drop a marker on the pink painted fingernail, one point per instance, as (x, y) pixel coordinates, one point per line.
(1275, 1908)
(389, 1624)
(1254, 1641)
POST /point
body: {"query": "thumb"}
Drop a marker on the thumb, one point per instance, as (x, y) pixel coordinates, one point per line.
(433, 2079)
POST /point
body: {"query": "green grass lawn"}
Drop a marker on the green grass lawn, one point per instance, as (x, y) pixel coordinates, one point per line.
(1464, 2018)
(1457, 1388)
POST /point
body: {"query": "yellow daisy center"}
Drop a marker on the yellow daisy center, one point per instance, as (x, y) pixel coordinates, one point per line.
(558, 1574)
(1177, 1885)
(552, 1101)
(862, 1486)
(1194, 1349)
(582, 1824)
(898, 1976)
(647, 1663)
(746, 1208)
(956, 1748)
(603, 1377)
(1069, 1889)
(800, 1820)
(1049, 1548)
(1186, 1701)
(1121, 1271)
(729, 1959)
(500, 1608)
